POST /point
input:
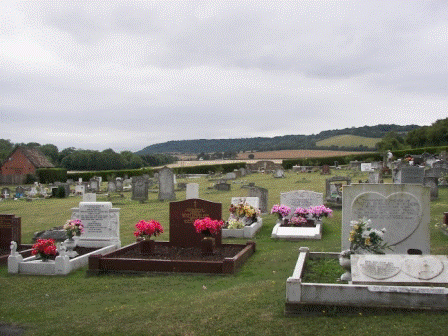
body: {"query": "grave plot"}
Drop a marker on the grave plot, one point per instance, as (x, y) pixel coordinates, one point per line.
(101, 235)
(406, 276)
(242, 224)
(184, 252)
(311, 229)
(10, 230)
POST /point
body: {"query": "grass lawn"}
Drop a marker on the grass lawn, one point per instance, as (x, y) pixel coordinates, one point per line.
(250, 302)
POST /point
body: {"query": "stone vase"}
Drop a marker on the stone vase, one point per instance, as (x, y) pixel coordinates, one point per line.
(345, 262)
(146, 246)
(207, 245)
(70, 245)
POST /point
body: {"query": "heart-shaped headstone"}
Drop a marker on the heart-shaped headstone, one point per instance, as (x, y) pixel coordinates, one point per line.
(422, 267)
(399, 213)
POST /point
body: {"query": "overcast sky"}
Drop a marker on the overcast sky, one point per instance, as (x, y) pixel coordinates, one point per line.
(128, 74)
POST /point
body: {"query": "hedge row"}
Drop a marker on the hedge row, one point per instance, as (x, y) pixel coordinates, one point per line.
(111, 174)
(365, 157)
(51, 175)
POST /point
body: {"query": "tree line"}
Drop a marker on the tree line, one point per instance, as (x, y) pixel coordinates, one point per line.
(81, 159)
(425, 136)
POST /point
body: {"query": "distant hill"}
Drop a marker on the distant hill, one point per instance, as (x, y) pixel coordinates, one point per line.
(348, 140)
(275, 143)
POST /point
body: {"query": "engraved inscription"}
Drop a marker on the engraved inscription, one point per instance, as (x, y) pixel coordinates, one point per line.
(379, 269)
(95, 218)
(422, 267)
(191, 214)
(400, 213)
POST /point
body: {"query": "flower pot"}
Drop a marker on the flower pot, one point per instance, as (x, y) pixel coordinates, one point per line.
(206, 233)
(146, 246)
(70, 244)
(208, 245)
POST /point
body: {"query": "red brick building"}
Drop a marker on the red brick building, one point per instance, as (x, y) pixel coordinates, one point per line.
(21, 162)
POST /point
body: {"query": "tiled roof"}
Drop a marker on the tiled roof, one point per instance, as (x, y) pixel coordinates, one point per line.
(36, 157)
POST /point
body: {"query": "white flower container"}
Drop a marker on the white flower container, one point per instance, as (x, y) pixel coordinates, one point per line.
(248, 231)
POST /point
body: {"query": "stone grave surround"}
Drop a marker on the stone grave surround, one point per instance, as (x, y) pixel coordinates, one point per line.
(403, 210)
(182, 216)
(101, 224)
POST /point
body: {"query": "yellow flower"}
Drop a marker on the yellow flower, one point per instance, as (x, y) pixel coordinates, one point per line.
(367, 241)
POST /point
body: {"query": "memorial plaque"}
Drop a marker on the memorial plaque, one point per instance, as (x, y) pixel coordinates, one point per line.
(95, 218)
(182, 216)
(379, 269)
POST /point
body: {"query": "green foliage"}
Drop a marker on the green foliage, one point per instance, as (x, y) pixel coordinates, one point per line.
(59, 192)
(205, 169)
(51, 175)
(156, 160)
(392, 141)
(30, 179)
(434, 135)
(6, 148)
(106, 174)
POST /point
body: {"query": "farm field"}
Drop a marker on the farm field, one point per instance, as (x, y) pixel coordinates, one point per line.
(251, 302)
(349, 140)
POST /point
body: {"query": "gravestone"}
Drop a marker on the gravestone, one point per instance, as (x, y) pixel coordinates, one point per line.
(6, 193)
(403, 210)
(243, 171)
(10, 230)
(94, 185)
(333, 188)
(192, 190)
(410, 175)
(366, 167)
(253, 201)
(230, 176)
(111, 186)
(325, 170)
(89, 197)
(374, 177)
(166, 184)
(20, 192)
(119, 184)
(222, 186)
(262, 194)
(140, 186)
(436, 172)
(441, 164)
(182, 216)
(279, 173)
(301, 199)
(433, 184)
(80, 189)
(355, 165)
(101, 224)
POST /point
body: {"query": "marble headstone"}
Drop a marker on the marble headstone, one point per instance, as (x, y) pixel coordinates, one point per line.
(403, 210)
(192, 190)
(301, 199)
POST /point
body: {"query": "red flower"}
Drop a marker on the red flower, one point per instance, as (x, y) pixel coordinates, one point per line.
(150, 228)
(213, 226)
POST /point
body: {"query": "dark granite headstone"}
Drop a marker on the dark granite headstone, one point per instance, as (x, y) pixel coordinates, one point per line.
(10, 229)
(325, 170)
(412, 175)
(223, 186)
(139, 188)
(182, 216)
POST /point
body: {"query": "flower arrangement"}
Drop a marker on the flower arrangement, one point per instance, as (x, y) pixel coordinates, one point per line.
(298, 221)
(234, 223)
(319, 211)
(44, 248)
(363, 237)
(73, 227)
(146, 229)
(244, 213)
(207, 225)
(281, 210)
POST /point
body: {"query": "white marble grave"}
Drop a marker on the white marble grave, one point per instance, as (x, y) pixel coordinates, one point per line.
(402, 209)
(248, 231)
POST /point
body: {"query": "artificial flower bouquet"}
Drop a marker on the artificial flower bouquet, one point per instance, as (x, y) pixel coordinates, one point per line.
(208, 226)
(281, 210)
(363, 237)
(73, 227)
(44, 249)
(242, 213)
(146, 229)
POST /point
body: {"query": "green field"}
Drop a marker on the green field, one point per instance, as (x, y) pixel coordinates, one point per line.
(250, 302)
(348, 140)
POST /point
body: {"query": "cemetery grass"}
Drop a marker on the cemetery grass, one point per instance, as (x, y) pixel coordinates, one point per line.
(247, 303)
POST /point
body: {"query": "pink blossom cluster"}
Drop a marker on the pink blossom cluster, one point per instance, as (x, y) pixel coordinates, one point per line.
(298, 221)
(45, 248)
(204, 224)
(301, 212)
(320, 211)
(73, 227)
(148, 228)
(281, 209)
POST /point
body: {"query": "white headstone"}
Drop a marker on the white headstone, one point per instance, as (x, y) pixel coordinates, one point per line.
(192, 190)
(80, 189)
(252, 201)
(301, 199)
(366, 167)
(101, 224)
(89, 197)
(403, 210)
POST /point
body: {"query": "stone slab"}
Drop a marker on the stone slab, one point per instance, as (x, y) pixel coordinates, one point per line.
(297, 233)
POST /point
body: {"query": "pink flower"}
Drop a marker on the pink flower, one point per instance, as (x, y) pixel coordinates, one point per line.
(150, 228)
(213, 226)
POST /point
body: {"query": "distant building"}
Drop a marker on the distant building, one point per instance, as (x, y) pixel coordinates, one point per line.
(21, 162)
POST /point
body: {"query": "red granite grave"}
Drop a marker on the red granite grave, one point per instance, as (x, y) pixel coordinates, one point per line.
(183, 252)
(10, 230)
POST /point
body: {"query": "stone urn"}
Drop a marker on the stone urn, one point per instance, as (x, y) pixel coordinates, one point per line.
(345, 262)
